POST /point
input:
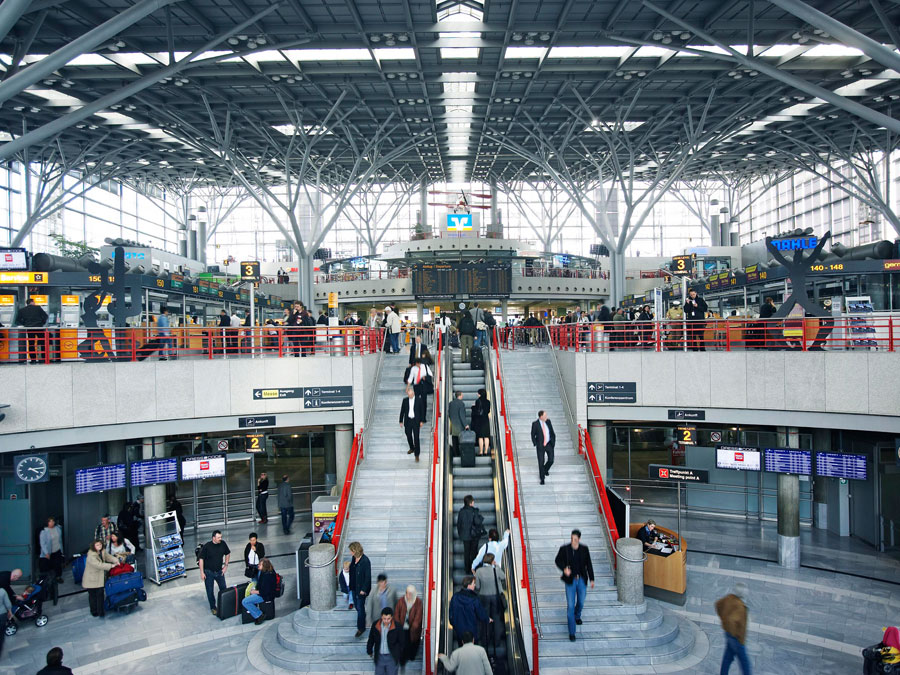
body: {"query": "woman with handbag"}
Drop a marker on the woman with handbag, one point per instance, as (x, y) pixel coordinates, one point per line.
(254, 551)
(263, 591)
(408, 614)
(97, 563)
(481, 423)
(489, 583)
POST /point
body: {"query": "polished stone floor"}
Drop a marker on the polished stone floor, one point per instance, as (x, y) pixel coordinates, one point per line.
(802, 621)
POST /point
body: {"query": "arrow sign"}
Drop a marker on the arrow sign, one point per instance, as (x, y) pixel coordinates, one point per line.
(257, 393)
(307, 392)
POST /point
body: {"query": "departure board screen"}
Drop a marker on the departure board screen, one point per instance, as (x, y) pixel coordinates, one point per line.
(788, 460)
(201, 467)
(154, 471)
(99, 478)
(840, 465)
(448, 280)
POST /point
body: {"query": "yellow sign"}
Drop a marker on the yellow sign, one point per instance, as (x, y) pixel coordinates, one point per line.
(69, 300)
(270, 393)
(437, 310)
(40, 300)
(250, 270)
(256, 442)
(24, 277)
(7, 300)
(332, 300)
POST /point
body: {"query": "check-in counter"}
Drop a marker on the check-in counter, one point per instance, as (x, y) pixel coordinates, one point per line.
(665, 576)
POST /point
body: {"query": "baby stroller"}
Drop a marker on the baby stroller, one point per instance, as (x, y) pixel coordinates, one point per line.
(124, 591)
(30, 609)
(885, 656)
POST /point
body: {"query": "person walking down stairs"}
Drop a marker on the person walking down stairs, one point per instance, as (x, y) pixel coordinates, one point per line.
(574, 561)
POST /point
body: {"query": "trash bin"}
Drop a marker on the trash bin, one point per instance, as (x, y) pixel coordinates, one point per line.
(467, 441)
(301, 556)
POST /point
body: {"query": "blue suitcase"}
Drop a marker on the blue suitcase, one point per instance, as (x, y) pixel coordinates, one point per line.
(130, 581)
(78, 568)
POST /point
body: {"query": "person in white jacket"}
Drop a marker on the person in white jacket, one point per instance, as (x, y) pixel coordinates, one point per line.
(493, 545)
(419, 374)
(392, 324)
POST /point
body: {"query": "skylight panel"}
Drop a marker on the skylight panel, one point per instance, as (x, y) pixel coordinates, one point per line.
(858, 88)
(55, 98)
(395, 53)
(459, 87)
(599, 52)
(353, 54)
(459, 52)
(652, 52)
(831, 50)
(525, 52)
(628, 125)
(309, 129)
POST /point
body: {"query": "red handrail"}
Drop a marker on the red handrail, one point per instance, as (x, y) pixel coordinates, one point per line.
(355, 458)
(591, 457)
(510, 457)
(435, 463)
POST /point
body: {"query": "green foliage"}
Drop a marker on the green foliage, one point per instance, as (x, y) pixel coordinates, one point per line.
(72, 249)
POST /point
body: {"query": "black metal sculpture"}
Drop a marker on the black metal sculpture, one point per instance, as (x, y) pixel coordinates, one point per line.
(97, 345)
(798, 268)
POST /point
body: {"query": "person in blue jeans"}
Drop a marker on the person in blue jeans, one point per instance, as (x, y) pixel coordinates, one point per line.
(164, 331)
(286, 503)
(360, 585)
(214, 557)
(264, 591)
(733, 613)
(574, 561)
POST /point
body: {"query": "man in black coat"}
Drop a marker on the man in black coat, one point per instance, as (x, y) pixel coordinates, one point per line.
(767, 311)
(574, 561)
(695, 309)
(385, 644)
(602, 315)
(33, 317)
(469, 524)
(412, 417)
(544, 440)
(419, 351)
(360, 584)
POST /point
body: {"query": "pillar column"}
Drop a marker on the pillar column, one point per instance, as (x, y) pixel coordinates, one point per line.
(154, 495)
(630, 571)
(330, 460)
(115, 499)
(821, 441)
(322, 580)
(343, 444)
(714, 231)
(597, 431)
(420, 312)
(789, 507)
(504, 310)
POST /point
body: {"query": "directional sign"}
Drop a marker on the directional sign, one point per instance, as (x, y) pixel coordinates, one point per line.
(678, 473)
(612, 392)
(295, 392)
(334, 402)
(687, 414)
(250, 270)
(262, 421)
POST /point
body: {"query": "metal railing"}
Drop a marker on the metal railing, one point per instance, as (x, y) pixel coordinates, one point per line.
(586, 450)
(519, 516)
(54, 345)
(433, 583)
(356, 456)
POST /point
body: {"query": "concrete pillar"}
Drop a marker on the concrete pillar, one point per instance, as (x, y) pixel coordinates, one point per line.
(420, 312)
(630, 571)
(115, 499)
(322, 580)
(504, 310)
(423, 207)
(154, 495)
(495, 213)
(714, 232)
(343, 444)
(821, 441)
(616, 278)
(330, 459)
(597, 431)
(789, 508)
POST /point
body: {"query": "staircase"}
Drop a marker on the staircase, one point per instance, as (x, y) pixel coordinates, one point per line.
(612, 634)
(388, 516)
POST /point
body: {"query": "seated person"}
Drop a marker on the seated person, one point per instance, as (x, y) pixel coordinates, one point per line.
(649, 536)
(264, 591)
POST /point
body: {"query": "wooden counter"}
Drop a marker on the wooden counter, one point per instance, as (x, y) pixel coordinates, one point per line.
(666, 573)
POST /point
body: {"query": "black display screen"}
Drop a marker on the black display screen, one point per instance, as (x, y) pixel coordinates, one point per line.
(447, 280)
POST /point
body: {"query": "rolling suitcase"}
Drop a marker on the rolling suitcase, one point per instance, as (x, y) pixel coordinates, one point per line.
(267, 608)
(229, 601)
(467, 440)
(130, 581)
(476, 357)
(78, 568)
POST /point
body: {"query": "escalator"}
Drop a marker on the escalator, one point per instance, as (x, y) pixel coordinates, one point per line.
(486, 483)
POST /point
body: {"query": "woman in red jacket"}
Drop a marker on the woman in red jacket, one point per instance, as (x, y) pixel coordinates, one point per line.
(408, 614)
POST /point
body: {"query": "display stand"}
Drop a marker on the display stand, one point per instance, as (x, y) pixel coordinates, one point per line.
(861, 324)
(167, 548)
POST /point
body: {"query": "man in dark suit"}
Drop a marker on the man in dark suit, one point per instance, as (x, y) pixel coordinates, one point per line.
(412, 417)
(419, 351)
(544, 440)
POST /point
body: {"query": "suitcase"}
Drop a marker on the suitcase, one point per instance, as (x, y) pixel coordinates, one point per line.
(476, 358)
(467, 440)
(124, 601)
(148, 348)
(78, 568)
(121, 568)
(130, 581)
(229, 601)
(268, 610)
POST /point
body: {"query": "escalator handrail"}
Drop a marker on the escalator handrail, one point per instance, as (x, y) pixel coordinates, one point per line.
(503, 523)
(519, 514)
(431, 589)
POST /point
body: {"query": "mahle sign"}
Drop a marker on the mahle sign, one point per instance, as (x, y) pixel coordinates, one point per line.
(796, 243)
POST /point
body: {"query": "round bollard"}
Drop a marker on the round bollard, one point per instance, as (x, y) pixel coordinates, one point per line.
(630, 571)
(322, 581)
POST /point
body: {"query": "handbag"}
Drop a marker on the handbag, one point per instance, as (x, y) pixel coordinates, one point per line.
(250, 588)
(250, 571)
(499, 594)
(429, 384)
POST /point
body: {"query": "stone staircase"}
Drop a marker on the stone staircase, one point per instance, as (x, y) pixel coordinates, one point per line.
(612, 634)
(388, 516)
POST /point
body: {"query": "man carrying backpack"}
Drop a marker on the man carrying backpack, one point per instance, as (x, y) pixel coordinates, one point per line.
(466, 328)
(470, 529)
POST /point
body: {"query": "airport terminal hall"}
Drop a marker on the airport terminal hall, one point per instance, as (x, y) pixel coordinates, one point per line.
(412, 337)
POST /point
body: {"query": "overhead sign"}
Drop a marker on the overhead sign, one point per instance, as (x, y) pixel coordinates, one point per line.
(24, 277)
(678, 474)
(202, 467)
(332, 300)
(788, 460)
(222, 445)
(263, 421)
(154, 471)
(327, 397)
(682, 264)
(795, 243)
(738, 458)
(687, 435)
(612, 392)
(13, 259)
(99, 478)
(841, 465)
(256, 442)
(250, 270)
(687, 414)
(459, 222)
(293, 392)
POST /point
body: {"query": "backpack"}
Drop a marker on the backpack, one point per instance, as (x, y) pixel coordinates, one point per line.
(477, 530)
(466, 325)
(279, 585)
(199, 552)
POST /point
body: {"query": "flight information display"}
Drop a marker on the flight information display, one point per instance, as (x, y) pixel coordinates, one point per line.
(154, 471)
(99, 478)
(740, 459)
(202, 466)
(447, 280)
(13, 259)
(788, 460)
(840, 465)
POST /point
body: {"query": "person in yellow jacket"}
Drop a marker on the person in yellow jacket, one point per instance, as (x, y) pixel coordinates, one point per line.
(733, 614)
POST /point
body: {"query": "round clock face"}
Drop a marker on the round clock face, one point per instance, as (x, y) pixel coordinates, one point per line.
(31, 469)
